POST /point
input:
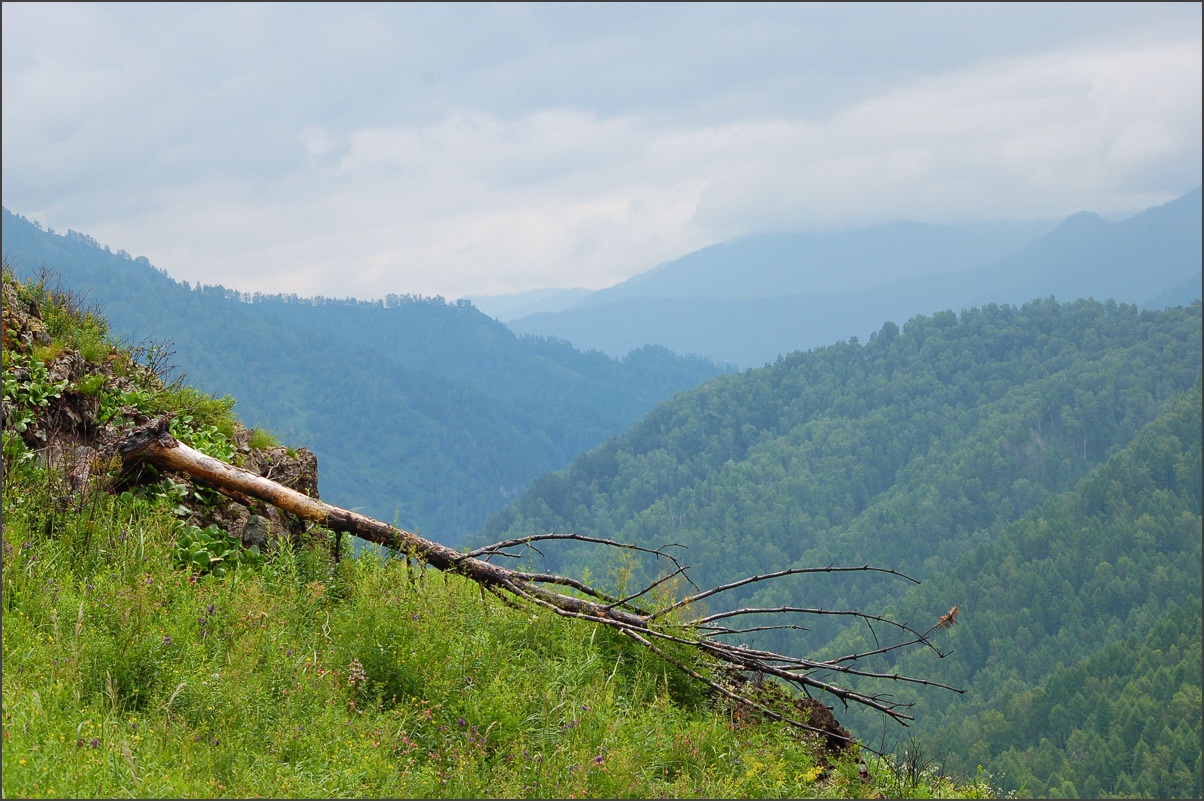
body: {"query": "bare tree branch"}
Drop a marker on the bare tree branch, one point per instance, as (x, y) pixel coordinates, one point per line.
(777, 610)
(794, 571)
(715, 631)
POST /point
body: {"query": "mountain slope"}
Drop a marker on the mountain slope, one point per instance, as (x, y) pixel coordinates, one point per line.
(417, 408)
(1037, 466)
(1085, 256)
(1080, 629)
(746, 305)
(802, 264)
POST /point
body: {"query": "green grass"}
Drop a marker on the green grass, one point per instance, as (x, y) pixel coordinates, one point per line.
(263, 439)
(305, 676)
(126, 677)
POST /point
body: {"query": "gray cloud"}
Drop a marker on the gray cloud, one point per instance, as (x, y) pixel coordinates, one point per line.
(365, 149)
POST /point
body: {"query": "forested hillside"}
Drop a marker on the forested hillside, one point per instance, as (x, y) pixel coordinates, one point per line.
(1081, 638)
(417, 408)
(1037, 465)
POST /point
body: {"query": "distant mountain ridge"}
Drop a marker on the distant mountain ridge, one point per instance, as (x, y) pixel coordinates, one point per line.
(752, 300)
(417, 408)
(513, 306)
(805, 264)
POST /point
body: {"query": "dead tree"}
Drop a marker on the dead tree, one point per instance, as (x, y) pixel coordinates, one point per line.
(651, 628)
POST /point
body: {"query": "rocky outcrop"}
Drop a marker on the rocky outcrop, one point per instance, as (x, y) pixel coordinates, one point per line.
(258, 523)
(73, 433)
(22, 324)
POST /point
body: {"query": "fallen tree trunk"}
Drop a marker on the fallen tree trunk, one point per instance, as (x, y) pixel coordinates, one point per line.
(152, 444)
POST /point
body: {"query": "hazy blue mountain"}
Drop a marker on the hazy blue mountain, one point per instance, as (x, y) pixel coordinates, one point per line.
(427, 410)
(1181, 294)
(1131, 260)
(520, 304)
(748, 302)
(892, 250)
(801, 264)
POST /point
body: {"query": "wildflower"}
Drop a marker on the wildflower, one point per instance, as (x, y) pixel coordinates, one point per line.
(355, 672)
(167, 639)
(461, 722)
(598, 759)
(94, 743)
(211, 609)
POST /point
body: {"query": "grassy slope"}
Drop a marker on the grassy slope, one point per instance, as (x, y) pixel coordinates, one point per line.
(307, 677)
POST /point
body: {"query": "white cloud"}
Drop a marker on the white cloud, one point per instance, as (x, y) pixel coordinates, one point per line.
(487, 149)
(1035, 137)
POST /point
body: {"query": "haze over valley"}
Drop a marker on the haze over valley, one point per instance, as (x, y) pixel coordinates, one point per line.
(749, 301)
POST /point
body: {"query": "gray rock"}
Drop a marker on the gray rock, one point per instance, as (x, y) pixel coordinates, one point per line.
(257, 532)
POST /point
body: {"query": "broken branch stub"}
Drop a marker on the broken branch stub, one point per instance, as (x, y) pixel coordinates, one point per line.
(151, 443)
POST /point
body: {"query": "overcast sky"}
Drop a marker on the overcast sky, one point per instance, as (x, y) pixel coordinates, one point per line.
(480, 149)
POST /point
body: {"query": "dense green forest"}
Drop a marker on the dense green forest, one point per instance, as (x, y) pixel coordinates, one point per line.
(419, 410)
(1081, 641)
(1038, 466)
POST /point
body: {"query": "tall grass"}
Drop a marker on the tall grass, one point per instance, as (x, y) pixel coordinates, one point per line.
(124, 676)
